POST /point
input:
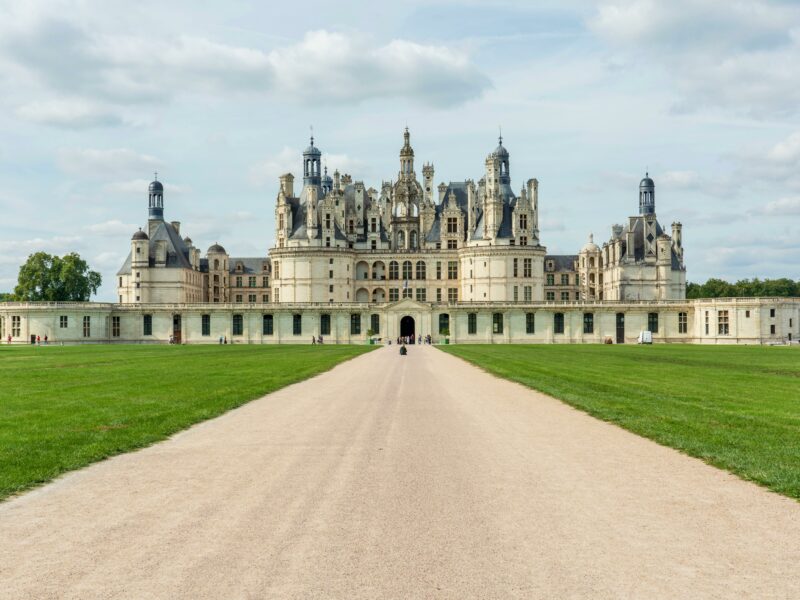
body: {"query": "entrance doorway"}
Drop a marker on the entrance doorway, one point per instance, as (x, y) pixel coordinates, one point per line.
(176, 329)
(407, 327)
(620, 328)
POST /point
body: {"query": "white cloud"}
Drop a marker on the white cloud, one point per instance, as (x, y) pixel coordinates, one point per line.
(740, 55)
(69, 113)
(95, 76)
(105, 164)
(782, 207)
(113, 228)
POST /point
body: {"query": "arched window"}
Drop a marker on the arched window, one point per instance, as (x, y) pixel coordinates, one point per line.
(413, 239)
(216, 264)
(394, 270)
(407, 269)
(420, 269)
(401, 240)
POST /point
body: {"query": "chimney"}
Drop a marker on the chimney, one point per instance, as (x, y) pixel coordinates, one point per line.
(176, 225)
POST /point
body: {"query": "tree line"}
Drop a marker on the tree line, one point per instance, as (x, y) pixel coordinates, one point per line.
(719, 288)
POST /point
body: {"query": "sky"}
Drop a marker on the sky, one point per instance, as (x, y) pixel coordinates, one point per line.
(219, 99)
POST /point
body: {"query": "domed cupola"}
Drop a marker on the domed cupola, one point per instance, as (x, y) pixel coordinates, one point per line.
(139, 236)
(590, 246)
(156, 200)
(216, 249)
(311, 164)
(502, 155)
(327, 182)
(647, 196)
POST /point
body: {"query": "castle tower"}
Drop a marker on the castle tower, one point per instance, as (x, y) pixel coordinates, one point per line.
(312, 174)
(503, 162)
(155, 205)
(406, 157)
(647, 196)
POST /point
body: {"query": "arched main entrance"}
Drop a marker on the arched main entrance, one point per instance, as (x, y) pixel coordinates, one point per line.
(407, 327)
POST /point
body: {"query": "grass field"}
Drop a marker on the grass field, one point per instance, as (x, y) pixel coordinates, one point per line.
(737, 408)
(64, 407)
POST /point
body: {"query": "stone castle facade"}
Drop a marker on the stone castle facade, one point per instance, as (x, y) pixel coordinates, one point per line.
(462, 261)
(466, 241)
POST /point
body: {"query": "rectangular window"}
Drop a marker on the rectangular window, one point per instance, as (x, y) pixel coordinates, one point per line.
(238, 281)
(115, 327)
(355, 324)
(375, 324)
(147, 324)
(373, 225)
(683, 324)
(276, 293)
(771, 313)
(422, 294)
(265, 281)
(564, 279)
(452, 244)
(551, 296)
(239, 298)
(394, 294)
(747, 314)
(551, 279)
(516, 293)
(577, 279)
(523, 221)
(452, 294)
(325, 324)
(407, 292)
(438, 294)
(652, 322)
(63, 321)
(772, 329)
(530, 323)
(472, 323)
(15, 326)
(452, 224)
(516, 267)
(558, 323)
(528, 293)
(205, 325)
(497, 322)
(523, 240)
(251, 282)
(452, 269)
(565, 296)
(87, 327)
(527, 267)
(297, 324)
(267, 325)
(706, 322)
(722, 322)
(238, 324)
(251, 298)
(373, 245)
(588, 322)
(438, 270)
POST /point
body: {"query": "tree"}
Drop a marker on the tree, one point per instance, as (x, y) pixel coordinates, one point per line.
(6, 297)
(45, 277)
(718, 288)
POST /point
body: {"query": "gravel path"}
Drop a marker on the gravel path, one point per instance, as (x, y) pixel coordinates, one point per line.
(390, 477)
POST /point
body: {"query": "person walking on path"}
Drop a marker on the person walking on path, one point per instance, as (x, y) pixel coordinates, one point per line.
(313, 340)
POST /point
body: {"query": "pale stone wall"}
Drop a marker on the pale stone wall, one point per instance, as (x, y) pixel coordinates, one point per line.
(749, 321)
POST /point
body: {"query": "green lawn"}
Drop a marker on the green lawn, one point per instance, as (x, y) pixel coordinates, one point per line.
(64, 407)
(737, 408)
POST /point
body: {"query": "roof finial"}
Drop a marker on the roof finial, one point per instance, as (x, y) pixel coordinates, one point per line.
(156, 175)
(500, 130)
(311, 127)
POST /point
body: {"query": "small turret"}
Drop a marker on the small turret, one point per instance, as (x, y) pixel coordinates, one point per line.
(156, 200)
(311, 164)
(647, 196)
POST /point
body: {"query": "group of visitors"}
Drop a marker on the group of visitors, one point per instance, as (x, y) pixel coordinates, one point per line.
(223, 339)
(316, 340)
